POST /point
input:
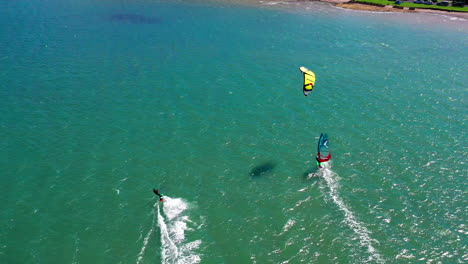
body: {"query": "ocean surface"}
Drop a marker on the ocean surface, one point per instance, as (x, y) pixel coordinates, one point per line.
(101, 101)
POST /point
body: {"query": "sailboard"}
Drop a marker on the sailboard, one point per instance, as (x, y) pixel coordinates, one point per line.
(323, 149)
(309, 80)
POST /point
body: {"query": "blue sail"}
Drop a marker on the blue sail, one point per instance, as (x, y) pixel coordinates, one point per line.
(323, 149)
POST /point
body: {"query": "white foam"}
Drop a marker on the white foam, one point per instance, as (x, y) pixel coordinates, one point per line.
(299, 203)
(404, 255)
(362, 232)
(429, 163)
(173, 224)
(168, 249)
(173, 207)
(146, 240)
(288, 225)
(174, 247)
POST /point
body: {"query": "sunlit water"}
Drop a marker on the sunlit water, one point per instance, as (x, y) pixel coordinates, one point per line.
(103, 101)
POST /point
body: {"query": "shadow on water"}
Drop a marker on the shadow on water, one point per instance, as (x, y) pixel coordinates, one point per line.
(134, 19)
(310, 174)
(262, 169)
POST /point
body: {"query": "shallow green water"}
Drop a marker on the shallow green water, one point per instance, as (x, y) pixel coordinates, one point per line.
(101, 102)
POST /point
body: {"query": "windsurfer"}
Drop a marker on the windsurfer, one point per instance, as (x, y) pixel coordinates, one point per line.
(323, 150)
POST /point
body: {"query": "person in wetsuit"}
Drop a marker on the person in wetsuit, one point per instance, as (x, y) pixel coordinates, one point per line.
(319, 164)
(156, 191)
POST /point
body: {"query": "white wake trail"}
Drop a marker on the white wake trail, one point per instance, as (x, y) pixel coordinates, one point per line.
(146, 240)
(173, 223)
(169, 251)
(362, 232)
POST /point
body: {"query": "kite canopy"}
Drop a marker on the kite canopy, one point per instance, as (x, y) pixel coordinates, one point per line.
(309, 80)
(323, 149)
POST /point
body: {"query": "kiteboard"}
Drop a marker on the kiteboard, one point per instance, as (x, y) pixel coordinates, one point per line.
(309, 80)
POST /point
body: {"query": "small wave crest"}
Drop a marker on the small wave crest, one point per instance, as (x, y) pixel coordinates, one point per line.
(287, 226)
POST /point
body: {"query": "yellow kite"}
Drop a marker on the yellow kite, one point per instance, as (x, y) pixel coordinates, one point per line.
(309, 80)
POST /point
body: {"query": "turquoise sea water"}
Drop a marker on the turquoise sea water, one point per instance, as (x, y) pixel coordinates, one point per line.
(101, 101)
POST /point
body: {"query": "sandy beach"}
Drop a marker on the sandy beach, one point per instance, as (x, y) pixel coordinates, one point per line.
(363, 7)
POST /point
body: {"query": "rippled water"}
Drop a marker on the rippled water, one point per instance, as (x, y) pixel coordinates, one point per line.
(101, 102)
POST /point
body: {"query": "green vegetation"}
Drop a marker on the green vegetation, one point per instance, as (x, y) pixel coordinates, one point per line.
(380, 2)
(410, 4)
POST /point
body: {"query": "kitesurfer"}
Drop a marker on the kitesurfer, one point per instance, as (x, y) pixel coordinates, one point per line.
(156, 191)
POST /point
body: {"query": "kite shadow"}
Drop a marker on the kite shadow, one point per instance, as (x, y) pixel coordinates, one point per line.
(262, 169)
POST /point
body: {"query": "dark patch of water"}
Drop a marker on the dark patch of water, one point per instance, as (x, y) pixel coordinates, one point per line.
(262, 169)
(134, 19)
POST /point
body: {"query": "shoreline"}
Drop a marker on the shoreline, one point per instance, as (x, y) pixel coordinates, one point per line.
(389, 8)
(349, 4)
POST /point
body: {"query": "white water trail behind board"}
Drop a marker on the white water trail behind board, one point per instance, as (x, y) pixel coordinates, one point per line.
(147, 237)
(172, 222)
(358, 227)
